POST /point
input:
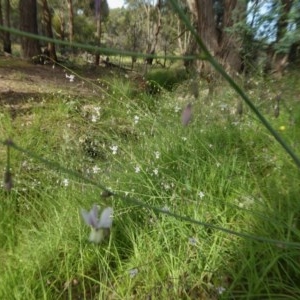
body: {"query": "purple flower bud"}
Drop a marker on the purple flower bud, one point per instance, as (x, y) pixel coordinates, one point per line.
(186, 115)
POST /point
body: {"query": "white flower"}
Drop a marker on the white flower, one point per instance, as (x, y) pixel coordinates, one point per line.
(201, 195)
(177, 109)
(157, 154)
(66, 182)
(97, 110)
(137, 169)
(223, 106)
(184, 138)
(114, 149)
(220, 290)
(95, 118)
(166, 186)
(136, 119)
(96, 169)
(192, 241)
(155, 171)
(71, 77)
(133, 272)
(166, 208)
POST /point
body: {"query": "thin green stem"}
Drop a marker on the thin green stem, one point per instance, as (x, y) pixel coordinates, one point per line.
(103, 50)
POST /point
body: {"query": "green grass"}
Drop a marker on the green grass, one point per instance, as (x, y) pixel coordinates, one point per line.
(223, 170)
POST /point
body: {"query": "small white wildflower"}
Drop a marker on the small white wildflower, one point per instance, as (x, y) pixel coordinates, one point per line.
(114, 149)
(210, 145)
(223, 106)
(96, 169)
(218, 164)
(133, 272)
(66, 182)
(192, 241)
(155, 171)
(71, 77)
(94, 118)
(177, 108)
(184, 138)
(137, 169)
(166, 208)
(220, 290)
(166, 186)
(136, 119)
(201, 195)
(157, 154)
(97, 110)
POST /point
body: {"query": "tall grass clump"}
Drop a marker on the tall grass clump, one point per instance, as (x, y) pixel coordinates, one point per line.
(219, 199)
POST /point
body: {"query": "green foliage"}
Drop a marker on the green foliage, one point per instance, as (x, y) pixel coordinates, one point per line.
(222, 169)
(165, 78)
(84, 30)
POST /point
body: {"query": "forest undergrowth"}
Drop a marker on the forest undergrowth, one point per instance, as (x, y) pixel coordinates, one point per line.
(220, 198)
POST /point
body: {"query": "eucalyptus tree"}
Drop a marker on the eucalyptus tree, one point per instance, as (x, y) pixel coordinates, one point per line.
(150, 12)
(5, 20)
(47, 23)
(213, 21)
(28, 22)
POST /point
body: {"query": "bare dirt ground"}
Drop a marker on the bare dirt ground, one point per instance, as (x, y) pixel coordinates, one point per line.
(21, 80)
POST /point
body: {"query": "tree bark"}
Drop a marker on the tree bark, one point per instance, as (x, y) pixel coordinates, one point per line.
(6, 40)
(28, 22)
(212, 20)
(98, 33)
(71, 20)
(47, 18)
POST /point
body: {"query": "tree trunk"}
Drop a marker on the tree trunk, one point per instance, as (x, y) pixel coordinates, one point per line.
(152, 38)
(71, 20)
(98, 36)
(212, 20)
(1, 21)
(6, 40)
(47, 18)
(28, 22)
(234, 11)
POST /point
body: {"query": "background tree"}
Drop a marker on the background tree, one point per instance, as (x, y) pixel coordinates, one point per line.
(71, 20)
(213, 20)
(47, 21)
(5, 20)
(28, 22)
